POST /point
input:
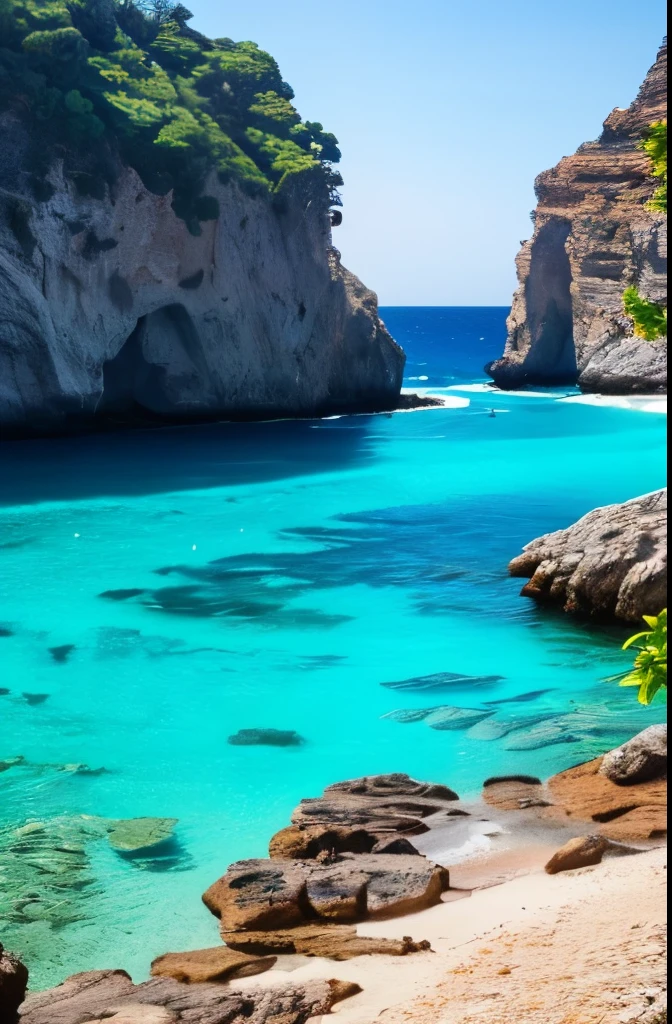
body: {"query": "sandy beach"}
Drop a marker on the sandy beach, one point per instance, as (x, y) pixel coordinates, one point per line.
(580, 947)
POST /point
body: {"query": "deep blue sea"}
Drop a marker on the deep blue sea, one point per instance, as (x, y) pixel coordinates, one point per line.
(277, 575)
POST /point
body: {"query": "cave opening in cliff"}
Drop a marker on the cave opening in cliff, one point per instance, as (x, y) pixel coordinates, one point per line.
(548, 298)
(136, 381)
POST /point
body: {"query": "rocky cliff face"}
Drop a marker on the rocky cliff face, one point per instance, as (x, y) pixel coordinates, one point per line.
(112, 312)
(593, 237)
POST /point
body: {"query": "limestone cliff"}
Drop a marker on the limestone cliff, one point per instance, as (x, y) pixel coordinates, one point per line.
(593, 236)
(111, 311)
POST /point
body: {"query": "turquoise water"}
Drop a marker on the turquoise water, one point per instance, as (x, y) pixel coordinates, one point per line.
(284, 572)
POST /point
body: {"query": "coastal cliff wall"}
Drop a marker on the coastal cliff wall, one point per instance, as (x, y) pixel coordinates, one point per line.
(593, 237)
(112, 311)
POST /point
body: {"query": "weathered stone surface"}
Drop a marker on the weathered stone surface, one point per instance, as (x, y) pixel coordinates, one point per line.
(218, 963)
(140, 835)
(334, 941)
(258, 895)
(641, 759)
(298, 842)
(382, 803)
(265, 738)
(611, 563)
(593, 236)
(13, 984)
(111, 995)
(273, 324)
(646, 822)
(577, 853)
(514, 793)
(583, 793)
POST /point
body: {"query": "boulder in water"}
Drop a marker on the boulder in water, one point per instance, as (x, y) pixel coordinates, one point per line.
(13, 984)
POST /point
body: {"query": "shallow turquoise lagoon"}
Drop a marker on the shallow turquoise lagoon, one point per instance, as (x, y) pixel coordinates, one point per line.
(284, 571)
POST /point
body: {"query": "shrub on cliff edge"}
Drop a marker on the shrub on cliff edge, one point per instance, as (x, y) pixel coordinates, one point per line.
(97, 77)
(649, 318)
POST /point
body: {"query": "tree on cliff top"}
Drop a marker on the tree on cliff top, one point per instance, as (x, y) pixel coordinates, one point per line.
(130, 76)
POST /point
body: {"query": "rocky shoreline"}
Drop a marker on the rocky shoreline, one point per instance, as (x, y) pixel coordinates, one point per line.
(611, 564)
(351, 856)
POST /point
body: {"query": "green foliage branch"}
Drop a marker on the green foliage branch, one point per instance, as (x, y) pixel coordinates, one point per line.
(649, 318)
(649, 672)
(131, 76)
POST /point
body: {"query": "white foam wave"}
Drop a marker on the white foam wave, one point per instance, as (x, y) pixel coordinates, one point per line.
(636, 403)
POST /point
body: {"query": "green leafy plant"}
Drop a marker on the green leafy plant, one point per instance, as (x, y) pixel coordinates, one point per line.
(649, 671)
(649, 318)
(97, 79)
(654, 145)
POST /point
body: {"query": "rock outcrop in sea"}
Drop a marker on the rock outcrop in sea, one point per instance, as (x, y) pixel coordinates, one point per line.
(612, 563)
(593, 237)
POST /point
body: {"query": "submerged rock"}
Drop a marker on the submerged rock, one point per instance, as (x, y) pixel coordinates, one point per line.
(641, 759)
(442, 681)
(611, 563)
(61, 653)
(139, 835)
(265, 737)
(34, 699)
(443, 717)
(593, 237)
(577, 853)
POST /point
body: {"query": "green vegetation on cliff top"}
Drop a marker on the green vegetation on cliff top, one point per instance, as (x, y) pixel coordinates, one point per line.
(130, 76)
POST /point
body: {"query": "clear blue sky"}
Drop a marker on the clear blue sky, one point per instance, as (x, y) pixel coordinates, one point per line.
(445, 112)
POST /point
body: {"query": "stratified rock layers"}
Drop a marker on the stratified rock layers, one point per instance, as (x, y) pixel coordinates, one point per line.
(593, 237)
(611, 563)
(112, 312)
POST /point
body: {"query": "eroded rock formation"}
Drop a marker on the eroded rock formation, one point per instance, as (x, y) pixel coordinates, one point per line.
(344, 859)
(593, 237)
(611, 563)
(111, 996)
(112, 312)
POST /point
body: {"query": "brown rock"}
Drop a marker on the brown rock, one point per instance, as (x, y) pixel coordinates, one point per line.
(587, 795)
(577, 853)
(265, 895)
(380, 803)
(306, 842)
(612, 562)
(593, 236)
(216, 964)
(338, 892)
(259, 895)
(514, 792)
(334, 941)
(13, 984)
(341, 990)
(647, 822)
(110, 995)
